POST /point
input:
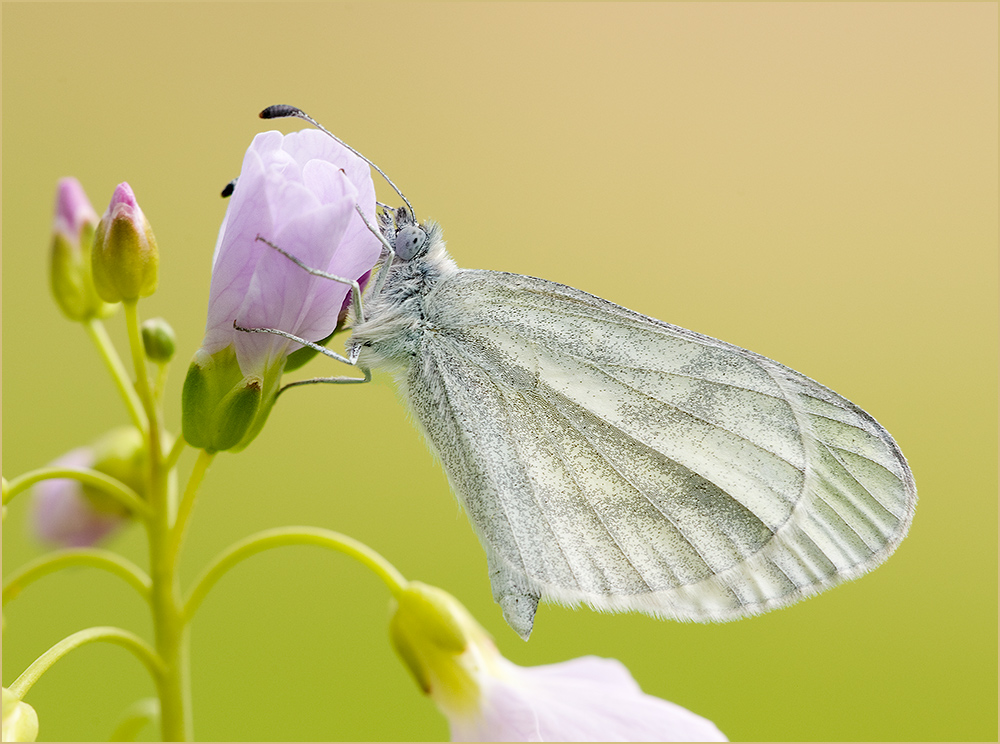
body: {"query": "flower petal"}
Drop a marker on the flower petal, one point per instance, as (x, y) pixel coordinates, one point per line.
(587, 699)
(299, 192)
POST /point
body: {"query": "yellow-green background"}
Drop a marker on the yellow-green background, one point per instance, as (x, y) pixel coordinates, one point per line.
(814, 182)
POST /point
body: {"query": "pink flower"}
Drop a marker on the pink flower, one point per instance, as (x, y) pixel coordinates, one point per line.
(584, 699)
(488, 698)
(70, 514)
(300, 192)
(63, 515)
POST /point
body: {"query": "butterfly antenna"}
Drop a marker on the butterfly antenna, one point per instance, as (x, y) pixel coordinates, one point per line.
(281, 111)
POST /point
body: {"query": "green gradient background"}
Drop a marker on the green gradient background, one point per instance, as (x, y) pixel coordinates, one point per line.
(814, 182)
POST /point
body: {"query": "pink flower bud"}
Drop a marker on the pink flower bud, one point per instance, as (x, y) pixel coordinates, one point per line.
(125, 258)
(70, 274)
(73, 210)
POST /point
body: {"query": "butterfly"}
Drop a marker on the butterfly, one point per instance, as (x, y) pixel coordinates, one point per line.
(608, 458)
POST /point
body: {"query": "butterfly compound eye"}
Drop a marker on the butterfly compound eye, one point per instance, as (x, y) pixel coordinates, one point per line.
(410, 242)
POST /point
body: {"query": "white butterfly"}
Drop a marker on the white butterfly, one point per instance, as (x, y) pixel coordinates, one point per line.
(609, 458)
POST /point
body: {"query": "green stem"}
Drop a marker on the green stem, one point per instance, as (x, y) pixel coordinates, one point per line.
(281, 536)
(187, 501)
(98, 334)
(170, 462)
(93, 557)
(111, 486)
(169, 626)
(120, 637)
(161, 380)
(142, 386)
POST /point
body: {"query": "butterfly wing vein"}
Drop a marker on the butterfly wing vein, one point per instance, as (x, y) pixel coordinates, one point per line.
(609, 458)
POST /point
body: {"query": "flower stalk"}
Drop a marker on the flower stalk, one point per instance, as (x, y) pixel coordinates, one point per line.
(169, 626)
(99, 335)
(78, 557)
(129, 641)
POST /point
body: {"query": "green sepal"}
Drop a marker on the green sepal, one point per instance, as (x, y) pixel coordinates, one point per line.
(432, 613)
(196, 404)
(221, 409)
(71, 280)
(121, 453)
(431, 632)
(125, 262)
(236, 413)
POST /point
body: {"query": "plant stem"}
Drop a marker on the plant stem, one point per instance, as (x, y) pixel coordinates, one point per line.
(123, 638)
(281, 536)
(111, 486)
(187, 500)
(98, 334)
(175, 452)
(94, 557)
(169, 626)
(142, 386)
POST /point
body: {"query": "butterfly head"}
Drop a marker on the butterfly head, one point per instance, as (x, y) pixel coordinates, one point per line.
(409, 239)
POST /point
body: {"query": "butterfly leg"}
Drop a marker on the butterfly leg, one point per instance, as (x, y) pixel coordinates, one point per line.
(355, 305)
(316, 347)
(291, 337)
(355, 287)
(329, 380)
(383, 272)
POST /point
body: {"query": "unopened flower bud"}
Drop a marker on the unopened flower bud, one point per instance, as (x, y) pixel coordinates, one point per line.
(125, 256)
(158, 340)
(70, 265)
(20, 722)
(440, 643)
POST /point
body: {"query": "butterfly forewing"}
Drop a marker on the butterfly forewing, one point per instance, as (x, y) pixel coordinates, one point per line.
(613, 459)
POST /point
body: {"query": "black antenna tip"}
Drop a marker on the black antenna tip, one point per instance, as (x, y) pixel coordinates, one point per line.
(279, 111)
(229, 189)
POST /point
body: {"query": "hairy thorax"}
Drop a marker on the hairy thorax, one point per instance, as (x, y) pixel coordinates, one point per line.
(396, 319)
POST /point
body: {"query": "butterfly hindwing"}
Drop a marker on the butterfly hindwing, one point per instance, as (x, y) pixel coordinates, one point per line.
(609, 458)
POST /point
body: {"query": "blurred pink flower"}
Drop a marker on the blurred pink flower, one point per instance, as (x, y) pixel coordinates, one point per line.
(73, 210)
(585, 699)
(70, 273)
(70, 514)
(298, 191)
(63, 515)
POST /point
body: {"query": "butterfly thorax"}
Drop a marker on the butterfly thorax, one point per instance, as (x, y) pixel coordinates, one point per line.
(389, 338)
